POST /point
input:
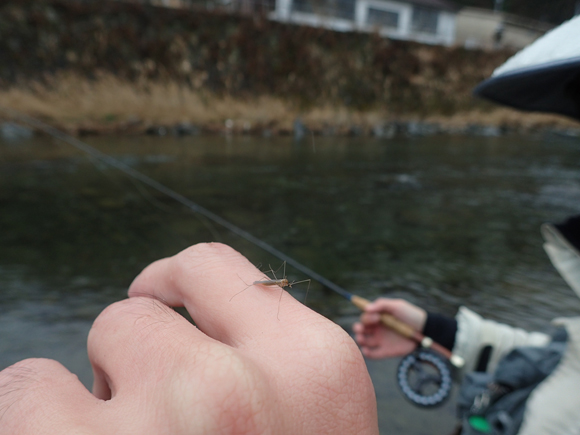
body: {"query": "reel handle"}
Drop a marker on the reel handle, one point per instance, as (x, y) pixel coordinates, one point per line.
(409, 332)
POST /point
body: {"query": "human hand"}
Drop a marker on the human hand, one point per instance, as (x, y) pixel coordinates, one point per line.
(378, 341)
(241, 371)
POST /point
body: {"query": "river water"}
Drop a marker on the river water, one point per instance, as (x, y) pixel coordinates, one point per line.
(443, 221)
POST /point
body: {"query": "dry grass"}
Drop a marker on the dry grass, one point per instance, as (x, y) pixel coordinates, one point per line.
(73, 101)
(506, 117)
(107, 103)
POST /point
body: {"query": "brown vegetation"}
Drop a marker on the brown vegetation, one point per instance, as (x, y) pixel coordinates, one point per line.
(111, 66)
(108, 104)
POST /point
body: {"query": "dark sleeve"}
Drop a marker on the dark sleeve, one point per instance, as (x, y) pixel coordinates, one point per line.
(441, 329)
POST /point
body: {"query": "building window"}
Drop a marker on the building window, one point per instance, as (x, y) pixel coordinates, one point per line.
(329, 8)
(424, 20)
(383, 18)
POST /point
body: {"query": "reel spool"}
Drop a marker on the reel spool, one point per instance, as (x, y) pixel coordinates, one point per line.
(425, 378)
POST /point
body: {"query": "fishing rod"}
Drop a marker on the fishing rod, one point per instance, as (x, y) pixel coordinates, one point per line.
(412, 366)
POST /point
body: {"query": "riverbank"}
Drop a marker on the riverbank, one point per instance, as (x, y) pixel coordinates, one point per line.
(125, 68)
(111, 106)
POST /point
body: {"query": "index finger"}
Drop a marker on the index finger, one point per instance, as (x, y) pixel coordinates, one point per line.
(370, 318)
(205, 277)
(382, 305)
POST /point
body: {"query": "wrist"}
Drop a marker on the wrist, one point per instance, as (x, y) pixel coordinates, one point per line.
(441, 329)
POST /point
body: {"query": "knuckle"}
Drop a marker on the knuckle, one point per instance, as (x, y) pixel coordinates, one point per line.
(397, 303)
(19, 372)
(202, 259)
(28, 371)
(110, 313)
(130, 316)
(193, 258)
(20, 379)
(204, 252)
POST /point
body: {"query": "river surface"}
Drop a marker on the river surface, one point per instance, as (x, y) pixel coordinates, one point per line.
(442, 221)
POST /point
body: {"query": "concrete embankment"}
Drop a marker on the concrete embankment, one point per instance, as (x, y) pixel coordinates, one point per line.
(111, 67)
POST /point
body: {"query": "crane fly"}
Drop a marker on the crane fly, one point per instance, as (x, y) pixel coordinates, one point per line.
(280, 282)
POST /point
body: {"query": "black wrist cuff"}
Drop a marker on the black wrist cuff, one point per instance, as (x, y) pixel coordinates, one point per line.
(441, 329)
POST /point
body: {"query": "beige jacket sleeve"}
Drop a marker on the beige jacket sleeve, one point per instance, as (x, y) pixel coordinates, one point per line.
(553, 405)
(563, 255)
(474, 333)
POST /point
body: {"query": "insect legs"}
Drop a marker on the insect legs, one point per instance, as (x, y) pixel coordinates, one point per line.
(280, 282)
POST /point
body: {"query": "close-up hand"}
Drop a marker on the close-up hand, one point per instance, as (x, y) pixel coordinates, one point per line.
(378, 341)
(243, 369)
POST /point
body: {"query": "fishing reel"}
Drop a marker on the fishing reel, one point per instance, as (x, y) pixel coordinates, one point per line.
(424, 377)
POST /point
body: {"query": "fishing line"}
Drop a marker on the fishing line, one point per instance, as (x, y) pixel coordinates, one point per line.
(196, 208)
(415, 382)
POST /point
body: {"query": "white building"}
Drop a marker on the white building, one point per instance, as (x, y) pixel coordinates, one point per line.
(482, 28)
(427, 21)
